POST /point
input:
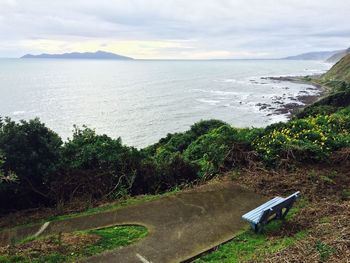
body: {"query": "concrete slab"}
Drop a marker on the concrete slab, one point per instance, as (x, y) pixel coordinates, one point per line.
(180, 226)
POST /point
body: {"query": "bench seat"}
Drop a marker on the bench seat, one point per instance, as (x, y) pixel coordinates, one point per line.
(254, 215)
(277, 207)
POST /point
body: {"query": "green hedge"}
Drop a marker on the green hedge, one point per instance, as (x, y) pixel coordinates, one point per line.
(93, 166)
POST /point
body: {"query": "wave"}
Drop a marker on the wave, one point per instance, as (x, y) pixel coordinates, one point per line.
(208, 101)
(17, 113)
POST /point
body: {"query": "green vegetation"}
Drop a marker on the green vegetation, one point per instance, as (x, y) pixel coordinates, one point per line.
(337, 81)
(38, 169)
(117, 236)
(31, 151)
(325, 251)
(248, 246)
(340, 71)
(307, 139)
(61, 249)
(72, 170)
(11, 177)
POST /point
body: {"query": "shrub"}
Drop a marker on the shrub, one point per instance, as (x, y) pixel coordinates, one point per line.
(10, 177)
(314, 110)
(308, 139)
(209, 150)
(32, 152)
(2, 161)
(178, 142)
(89, 159)
(176, 171)
(87, 150)
(205, 126)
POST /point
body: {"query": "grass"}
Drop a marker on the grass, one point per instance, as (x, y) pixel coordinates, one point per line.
(109, 238)
(113, 237)
(250, 246)
(114, 206)
(325, 251)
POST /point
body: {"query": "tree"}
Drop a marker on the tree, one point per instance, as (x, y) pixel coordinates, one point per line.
(32, 152)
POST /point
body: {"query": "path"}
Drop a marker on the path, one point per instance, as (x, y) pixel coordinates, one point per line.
(180, 226)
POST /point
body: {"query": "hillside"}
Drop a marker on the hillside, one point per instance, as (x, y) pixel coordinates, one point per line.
(85, 55)
(340, 71)
(320, 55)
(338, 56)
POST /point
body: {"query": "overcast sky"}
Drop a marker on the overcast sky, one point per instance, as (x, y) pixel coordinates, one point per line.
(188, 29)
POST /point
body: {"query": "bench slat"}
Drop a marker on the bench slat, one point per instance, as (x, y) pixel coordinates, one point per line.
(259, 210)
(263, 206)
(255, 216)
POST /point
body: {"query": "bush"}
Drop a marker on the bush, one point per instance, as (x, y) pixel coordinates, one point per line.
(209, 150)
(308, 139)
(89, 159)
(2, 161)
(178, 142)
(87, 150)
(32, 152)
(327, 105)
(176, 171)
(10, 177)
(203, 127)
(49, 171)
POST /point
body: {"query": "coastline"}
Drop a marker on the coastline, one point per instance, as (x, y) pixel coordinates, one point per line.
(301, 101)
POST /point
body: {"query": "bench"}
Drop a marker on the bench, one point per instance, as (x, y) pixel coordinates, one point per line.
(276, 208)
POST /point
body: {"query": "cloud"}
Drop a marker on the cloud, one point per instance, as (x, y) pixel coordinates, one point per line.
(175, 28)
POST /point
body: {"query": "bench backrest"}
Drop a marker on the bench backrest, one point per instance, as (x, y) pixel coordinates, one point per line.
(286, 203)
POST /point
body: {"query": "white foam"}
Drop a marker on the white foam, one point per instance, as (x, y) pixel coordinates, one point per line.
(20, 112)
(208, 101)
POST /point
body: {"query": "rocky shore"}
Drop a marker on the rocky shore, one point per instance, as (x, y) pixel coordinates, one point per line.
(303, 99)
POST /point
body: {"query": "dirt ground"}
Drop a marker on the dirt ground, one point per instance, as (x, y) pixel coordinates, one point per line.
(325, 212)
(65, 243)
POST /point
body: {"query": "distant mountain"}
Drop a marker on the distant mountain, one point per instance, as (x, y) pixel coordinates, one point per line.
(320, 55)
(340, 71)
(338, 56)
(86, 55)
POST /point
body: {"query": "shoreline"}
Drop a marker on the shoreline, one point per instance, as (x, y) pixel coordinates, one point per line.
(301, 101)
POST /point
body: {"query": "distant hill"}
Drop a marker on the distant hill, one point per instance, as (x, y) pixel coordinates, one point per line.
(340, 71)
(85, 55)
(320, 55)
(338, 56)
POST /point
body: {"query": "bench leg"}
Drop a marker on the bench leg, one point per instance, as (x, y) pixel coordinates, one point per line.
(257, 228)
(283, 216)
(253, 226)
(279, 214)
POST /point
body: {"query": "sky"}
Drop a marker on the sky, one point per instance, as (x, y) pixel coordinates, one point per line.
(174, 29)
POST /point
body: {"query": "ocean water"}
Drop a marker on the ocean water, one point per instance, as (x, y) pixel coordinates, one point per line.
(142, 101)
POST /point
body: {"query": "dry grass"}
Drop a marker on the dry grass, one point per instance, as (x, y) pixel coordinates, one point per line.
(316, 182)
(328, 239)
(65, 243)
(326, 215)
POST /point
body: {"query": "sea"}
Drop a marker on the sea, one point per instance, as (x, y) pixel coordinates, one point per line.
(143, 100)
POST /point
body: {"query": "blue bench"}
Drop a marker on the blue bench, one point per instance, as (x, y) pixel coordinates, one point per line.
(276, 208)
